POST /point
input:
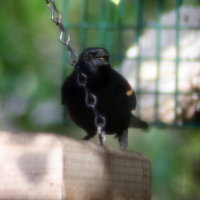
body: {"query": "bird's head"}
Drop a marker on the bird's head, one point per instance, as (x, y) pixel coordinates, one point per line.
(93, 60)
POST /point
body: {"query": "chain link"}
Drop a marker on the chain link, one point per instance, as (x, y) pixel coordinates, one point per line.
(91, 102)
(65, 38)
(90, 99)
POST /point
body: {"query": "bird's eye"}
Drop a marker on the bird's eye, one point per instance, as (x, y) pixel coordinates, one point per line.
(102, 58)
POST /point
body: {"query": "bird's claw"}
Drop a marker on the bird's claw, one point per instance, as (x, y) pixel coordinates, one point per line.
(123, 140)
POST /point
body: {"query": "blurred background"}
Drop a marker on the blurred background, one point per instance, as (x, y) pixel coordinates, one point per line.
(154, 44)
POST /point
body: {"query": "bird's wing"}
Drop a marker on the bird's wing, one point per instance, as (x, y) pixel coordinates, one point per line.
(126, 88)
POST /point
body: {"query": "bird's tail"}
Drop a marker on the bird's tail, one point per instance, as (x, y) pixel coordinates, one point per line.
(135, 122)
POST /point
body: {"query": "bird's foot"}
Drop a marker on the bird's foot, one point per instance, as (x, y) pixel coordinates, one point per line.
(89, 135)
(123, 140)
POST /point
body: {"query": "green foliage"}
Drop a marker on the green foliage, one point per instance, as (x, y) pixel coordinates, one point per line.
(28, 77)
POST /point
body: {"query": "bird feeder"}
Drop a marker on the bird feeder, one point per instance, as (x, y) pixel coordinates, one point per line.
(49, 167)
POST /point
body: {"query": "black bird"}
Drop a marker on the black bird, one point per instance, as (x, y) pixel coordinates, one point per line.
(115, 97)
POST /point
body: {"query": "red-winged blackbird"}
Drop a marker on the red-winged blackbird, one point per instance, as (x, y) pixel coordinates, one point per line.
(115, 97)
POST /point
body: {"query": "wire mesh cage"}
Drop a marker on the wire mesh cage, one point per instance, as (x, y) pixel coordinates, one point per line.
(154, 44)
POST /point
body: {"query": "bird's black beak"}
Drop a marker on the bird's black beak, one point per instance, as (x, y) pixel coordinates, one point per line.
(100, 62)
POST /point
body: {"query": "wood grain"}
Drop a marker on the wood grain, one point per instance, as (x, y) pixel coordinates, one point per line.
(45, 166)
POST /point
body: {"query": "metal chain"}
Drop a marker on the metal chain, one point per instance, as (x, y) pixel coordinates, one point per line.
(65, 38)
(91, 102)
(90, 99)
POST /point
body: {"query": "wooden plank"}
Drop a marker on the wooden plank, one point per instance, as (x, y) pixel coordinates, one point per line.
(46, 166)
(30, 166)
(93, 172)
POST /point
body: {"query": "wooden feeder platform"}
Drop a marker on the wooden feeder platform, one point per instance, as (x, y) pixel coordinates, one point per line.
(49, 167)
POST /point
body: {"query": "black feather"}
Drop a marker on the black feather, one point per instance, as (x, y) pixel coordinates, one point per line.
(115, 97)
